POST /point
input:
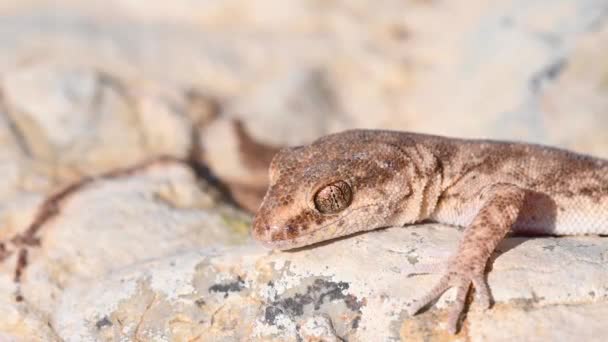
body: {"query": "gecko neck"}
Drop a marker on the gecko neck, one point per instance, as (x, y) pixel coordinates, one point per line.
(425, 177)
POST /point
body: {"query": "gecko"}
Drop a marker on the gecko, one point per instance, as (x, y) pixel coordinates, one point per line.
(360, 180)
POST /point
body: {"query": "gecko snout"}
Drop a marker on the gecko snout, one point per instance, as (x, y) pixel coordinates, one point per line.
(271, 234)
(262, 229)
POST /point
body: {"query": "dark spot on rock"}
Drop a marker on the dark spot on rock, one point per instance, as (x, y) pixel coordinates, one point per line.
(352, 303)
(200, 302)
(235, 286)
(547, 74)
(314, 297)
(271, 313)
(399, 32)
(102, 323)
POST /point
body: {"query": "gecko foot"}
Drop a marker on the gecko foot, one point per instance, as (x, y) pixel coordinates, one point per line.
(462, 279)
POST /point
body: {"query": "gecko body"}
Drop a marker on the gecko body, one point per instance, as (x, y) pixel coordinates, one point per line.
(361, 180)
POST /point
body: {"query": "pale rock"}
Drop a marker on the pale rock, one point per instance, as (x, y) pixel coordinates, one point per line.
(298, 108)
(20, 323)
(318, 328)
(108, 225)
(577, 102)
(153, 214)
(90, 120)
(164, 124)
(356, 288)
(469, 69)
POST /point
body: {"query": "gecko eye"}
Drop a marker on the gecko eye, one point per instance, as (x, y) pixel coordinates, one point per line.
(333, 198)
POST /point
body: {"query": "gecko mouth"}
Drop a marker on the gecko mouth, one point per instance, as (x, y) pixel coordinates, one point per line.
(287, 244)
(328, 231)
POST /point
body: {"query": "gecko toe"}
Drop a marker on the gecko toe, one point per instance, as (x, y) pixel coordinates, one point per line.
(482, 291)
(430, 296)
(458, 306)
(463, 282)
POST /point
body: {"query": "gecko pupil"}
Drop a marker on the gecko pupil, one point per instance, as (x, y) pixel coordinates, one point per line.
(333, 198)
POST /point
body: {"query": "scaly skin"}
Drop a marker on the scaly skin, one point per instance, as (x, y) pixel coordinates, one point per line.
(363, 179)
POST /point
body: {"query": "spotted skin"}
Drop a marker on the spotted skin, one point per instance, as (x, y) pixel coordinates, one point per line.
(364, 179)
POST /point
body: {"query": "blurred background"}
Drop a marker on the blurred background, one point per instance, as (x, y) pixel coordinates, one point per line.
(296, 69)
(88, 86)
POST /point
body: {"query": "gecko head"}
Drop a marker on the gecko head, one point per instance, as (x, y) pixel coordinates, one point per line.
(339, 185)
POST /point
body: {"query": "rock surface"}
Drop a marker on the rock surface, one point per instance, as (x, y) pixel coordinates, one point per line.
(162, 254)
(355, 289)
(107, 225)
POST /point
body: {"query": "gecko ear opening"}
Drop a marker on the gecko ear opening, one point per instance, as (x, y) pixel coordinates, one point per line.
(333, 197)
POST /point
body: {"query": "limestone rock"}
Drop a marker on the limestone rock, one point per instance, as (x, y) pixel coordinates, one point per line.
(88, 119)
(356, 288)
(110, 224)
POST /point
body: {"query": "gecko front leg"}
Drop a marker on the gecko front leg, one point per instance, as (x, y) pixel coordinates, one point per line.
(466, 267)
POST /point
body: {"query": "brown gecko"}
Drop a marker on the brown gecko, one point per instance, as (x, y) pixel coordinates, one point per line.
(364, 179)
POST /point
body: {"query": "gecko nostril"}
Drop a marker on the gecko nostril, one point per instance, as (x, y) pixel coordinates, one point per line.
(267, 227)
(291, 230)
